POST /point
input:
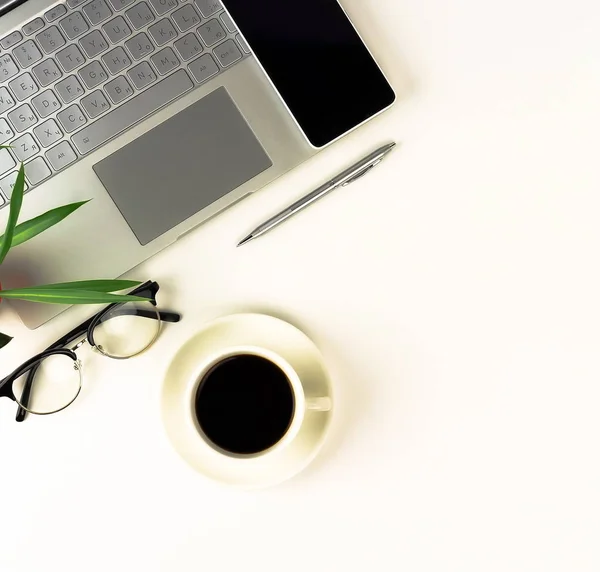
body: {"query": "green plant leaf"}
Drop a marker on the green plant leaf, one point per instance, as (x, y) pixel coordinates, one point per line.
(87, 285)
(28, 229)
(4, 339)
(53, 296)
(16, 200)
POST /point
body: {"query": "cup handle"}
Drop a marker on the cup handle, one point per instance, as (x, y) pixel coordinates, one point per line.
(318, 404)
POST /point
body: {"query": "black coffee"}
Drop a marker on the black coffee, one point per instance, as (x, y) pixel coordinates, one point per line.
(245, 404)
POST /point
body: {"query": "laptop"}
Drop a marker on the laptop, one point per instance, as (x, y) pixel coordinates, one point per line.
(156, 110)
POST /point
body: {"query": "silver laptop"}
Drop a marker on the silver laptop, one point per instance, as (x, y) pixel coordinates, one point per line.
(154, 109)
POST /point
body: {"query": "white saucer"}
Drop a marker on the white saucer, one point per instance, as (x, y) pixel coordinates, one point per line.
(246, 333)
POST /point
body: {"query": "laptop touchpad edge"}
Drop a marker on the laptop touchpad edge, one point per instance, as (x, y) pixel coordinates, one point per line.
(182, 165)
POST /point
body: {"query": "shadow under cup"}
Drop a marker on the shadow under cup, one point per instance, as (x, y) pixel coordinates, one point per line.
(245, 405)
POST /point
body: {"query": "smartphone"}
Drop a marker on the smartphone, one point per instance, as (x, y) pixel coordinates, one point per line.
(317, 62)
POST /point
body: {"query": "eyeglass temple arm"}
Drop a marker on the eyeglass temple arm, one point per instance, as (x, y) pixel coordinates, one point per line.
(148, 287)
(171, 317)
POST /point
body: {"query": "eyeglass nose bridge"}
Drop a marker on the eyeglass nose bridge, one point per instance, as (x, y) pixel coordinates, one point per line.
(97, 349)
(79, 344)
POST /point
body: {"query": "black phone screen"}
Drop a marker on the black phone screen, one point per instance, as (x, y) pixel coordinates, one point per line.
(317, 62)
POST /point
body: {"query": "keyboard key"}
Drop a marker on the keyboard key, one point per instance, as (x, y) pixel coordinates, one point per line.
(8, 68)
(95, 104)
(55, 12)
(116, 60)
(162, 32)
(36, 171)
(141, 75)
(165, 61)
(243, 44)
(118, 89)
(6, 161)
(69, 89)
(93, 44)
(119, 4)
(212, 32)
(11, 40)
(47, 72)
(188, 47)
(186, 17)
(71, 118)
(140, 15)
(139, 46)
(226, 19)
(27, 54)
(97, 11)
(25, 147)
(70, 58)
(74, 25)
(51, 39)
(61, 156)
(33, 26)
(23, 86)
(117, 30)
(7, 184)
(46, 103)
(227, 53)
(22, 118)
(6, 100)
(6, 132)
(203, 68)
(48, 133)
(208, 7)
(93, 74)
(163, 6)
(130, 113)
(75, 3)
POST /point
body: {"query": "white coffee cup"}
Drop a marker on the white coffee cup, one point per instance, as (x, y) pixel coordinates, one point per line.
(289, 349)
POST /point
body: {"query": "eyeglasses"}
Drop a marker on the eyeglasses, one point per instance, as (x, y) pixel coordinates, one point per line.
(50, 381)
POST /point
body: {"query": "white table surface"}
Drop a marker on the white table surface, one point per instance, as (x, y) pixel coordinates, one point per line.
(454, 294)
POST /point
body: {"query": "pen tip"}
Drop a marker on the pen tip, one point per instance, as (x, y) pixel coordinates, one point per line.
(247, 239)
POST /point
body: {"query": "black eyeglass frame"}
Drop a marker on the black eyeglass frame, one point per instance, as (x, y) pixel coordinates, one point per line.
(86, 329)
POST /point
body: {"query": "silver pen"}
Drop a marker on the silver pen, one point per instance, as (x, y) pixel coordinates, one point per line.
(350, 175)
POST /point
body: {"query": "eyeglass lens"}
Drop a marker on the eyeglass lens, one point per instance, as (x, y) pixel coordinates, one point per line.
(56, 384)
(127, 329)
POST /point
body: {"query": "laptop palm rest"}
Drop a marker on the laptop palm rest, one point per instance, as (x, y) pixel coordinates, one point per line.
(183, 165)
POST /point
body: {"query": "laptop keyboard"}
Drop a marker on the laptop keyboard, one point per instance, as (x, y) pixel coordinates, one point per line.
(87, 71)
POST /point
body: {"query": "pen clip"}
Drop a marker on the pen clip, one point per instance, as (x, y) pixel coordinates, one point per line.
(361, 174)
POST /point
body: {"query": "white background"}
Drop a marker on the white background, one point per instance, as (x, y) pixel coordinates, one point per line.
(454, 294)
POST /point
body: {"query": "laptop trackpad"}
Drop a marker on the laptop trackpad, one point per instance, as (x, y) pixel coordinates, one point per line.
(182, 165)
